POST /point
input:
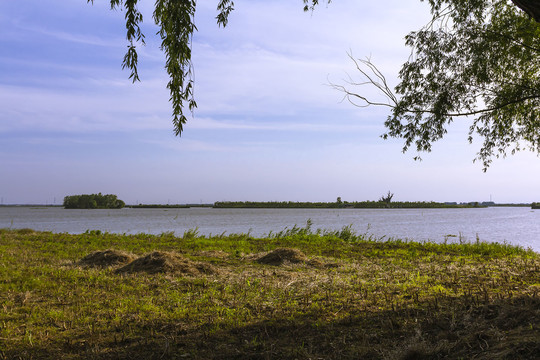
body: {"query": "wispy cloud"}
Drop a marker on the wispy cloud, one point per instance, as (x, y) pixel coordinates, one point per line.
(74, 37)
(333, 126)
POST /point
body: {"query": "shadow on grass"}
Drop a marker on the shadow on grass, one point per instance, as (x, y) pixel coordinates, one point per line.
(502, 329)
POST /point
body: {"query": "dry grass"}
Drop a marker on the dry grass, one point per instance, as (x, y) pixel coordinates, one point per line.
(107, 258)
(282, 255)
(166, 262)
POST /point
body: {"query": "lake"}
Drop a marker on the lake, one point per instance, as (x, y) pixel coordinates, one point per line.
(515, 225)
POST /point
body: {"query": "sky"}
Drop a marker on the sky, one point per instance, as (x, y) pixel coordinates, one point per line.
(268, 127)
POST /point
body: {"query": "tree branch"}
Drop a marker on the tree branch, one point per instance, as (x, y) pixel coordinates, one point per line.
(531, 7)
(393, 100)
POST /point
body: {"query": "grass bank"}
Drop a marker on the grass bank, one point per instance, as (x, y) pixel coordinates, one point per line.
(295, 294)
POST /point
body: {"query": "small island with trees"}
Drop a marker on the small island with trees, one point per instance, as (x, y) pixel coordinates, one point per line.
(93, 201)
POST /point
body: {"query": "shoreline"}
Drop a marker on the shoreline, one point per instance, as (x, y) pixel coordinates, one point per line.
(305, 205)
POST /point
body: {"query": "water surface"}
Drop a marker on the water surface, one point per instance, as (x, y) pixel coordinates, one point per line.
(516, 225)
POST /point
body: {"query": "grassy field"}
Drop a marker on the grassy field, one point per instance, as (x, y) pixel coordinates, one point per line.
(296, 294)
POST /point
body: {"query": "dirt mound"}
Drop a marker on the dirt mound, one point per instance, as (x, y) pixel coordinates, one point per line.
(106, 258)
(283, 255)
(166, 262)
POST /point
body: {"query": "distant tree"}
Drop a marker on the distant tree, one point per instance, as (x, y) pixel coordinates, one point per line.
(338, 200)
(387, 199)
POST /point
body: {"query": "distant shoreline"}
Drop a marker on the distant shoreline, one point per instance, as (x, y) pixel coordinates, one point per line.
(304, 205)
(167, 206)
(345, 205)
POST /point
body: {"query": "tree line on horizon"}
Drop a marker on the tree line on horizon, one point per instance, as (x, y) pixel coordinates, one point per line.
(340, 205)
(111, 201)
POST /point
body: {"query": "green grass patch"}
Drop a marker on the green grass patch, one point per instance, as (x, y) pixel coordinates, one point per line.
(342, 295)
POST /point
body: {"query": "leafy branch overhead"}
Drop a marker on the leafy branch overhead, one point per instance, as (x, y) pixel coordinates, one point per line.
(475, 58)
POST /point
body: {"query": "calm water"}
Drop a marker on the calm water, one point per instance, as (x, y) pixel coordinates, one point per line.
(520, 226)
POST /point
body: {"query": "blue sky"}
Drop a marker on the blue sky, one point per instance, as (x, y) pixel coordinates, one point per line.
(268, 126)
